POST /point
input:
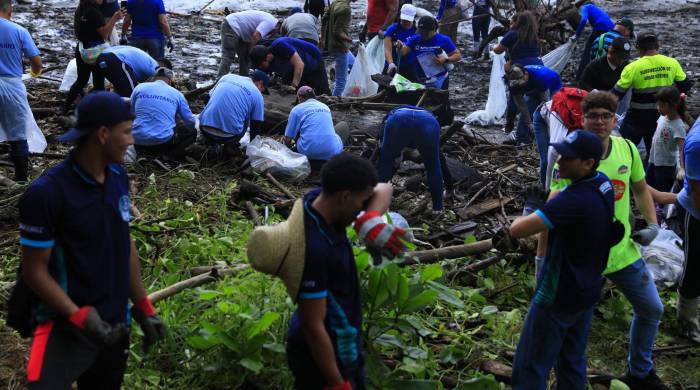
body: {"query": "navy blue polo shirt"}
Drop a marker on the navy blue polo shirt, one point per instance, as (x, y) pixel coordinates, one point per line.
(330, 272)
(580, 224)
(86, 225)
(284, 48)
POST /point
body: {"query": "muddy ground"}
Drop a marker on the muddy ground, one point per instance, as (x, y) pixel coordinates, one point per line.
(504, 171)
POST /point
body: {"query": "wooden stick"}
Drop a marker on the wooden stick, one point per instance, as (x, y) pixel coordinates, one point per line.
(253, 214)
(198, 91)
(196, 281)
(464, 19)
(279, 185)
(205, 6)
(450, 252)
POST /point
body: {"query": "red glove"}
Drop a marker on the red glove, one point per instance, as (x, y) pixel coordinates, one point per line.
(344, 386)
(371, 227)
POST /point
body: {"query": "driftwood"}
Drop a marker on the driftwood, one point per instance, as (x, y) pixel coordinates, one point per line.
(483, 207)
(253, 214)
(195, 281)
(474, 267)
(193, 94)
(454, 128)
(279, 185)
(43, 112)
(501, 371)
(450, 252)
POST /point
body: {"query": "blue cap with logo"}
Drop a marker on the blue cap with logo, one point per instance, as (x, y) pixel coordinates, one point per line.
(580, 144)
(259, 75)
(95, 110)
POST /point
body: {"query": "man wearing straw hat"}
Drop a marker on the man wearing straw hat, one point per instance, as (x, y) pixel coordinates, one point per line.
(312, 255)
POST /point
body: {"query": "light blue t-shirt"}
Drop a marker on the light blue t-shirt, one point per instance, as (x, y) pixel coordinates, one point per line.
(141, 63)
(233, 103)
(691, 158)
(312, 122)
(15, 41)
(156, 105)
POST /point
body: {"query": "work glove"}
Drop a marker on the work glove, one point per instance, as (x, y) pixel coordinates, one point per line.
(645, 236)
(376, 233)
(33, 73)
(344, 386)
(391, 69)
(153, 328)
(503, 242)
(380, 34)
(535, 197)
(288, 89)
(123, 41)
(88, 320)
(680, 176)
(169, 44)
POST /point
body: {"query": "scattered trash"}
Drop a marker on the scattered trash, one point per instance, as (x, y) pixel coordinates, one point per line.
(268, 155)
(360, 83)
(664, 257)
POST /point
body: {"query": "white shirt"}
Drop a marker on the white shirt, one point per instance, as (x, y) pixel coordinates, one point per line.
(246, 23)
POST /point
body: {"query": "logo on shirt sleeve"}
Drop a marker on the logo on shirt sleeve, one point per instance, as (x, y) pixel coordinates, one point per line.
(124, 208)
(620, 188)
(31, 229)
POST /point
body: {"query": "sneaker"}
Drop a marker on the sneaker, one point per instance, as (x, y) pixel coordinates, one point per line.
(650, 382)
(689, 329)
(510, 139)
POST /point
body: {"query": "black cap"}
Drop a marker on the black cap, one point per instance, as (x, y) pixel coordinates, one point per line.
(258, 55)
(647, 41)
(95, 110)
(427, 23)
(627, 22)
(580, 144)
(622, 47)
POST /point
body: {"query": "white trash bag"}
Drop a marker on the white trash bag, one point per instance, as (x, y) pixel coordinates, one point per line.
(35, 138)
(375, 52)
(360, 83)
(664, 256)
(559, 57)
(70, 76)
(268, 155)
(497, 100)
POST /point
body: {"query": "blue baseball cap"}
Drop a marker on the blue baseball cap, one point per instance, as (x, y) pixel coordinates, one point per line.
(259, 75)
(294, 10)
(580, 144)
(95, 110)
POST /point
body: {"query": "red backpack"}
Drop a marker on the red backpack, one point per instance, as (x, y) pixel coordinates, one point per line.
(567, 104)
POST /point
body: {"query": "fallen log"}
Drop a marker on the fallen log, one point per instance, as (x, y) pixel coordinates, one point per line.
(253, 214)
(501, 371)
(474, 267)
(483, 207)
(279, 185)
(195, 281)
(449, 252)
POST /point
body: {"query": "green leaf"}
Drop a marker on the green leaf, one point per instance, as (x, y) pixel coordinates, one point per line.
(416, 384)
(402, 291)
(447, 294)
(199, 342)
(208, 295)
(421, 300)
(488, 283)
(228, 341)
(252, 365)
(470, 239)
(412, 367)
(275, 347)
(430, 273)
(486, 382)
(362, 261)
(392, 277)
(489, 310)
(262, 324)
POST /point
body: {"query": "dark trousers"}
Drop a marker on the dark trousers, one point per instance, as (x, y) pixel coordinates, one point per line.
(552, 340)
(480, 26)
(640, 125)
(307, 375)
(155, 47)
(84, 71)
(315, 7)
(62, 354)
(318, 80)
(118, 73)
(586, 55)
(173, 148)
(689, 286)
(661, 177)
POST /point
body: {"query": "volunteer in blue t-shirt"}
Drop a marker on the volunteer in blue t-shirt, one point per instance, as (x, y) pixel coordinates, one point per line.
(150, 30)
(559, 319)
(15, 44)
(310, 125)
(126, 67)
(435, 53)
(689, 199)
(600, 24)
(79, 259)
(521, 43)
(235, 103)
(297, 61)
(400, 31)
(529, 86)
(164, 124)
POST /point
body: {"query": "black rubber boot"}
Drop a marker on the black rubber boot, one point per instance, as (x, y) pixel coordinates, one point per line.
(21, 168)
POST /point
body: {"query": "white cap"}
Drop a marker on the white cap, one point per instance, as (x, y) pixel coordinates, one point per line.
(408, 12)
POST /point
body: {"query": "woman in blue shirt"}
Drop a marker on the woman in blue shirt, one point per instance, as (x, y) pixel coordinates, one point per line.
(400, 31)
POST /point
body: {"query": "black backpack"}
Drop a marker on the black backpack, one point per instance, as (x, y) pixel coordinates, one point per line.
(20, 307)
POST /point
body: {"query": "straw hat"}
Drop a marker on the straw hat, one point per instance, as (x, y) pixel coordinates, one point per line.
(280, 250)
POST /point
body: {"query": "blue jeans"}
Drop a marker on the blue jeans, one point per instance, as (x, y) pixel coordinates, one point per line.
(155, 47)
(531, 101)
(413, 128)
(542, 141)
(637, 284)
(552, 340)
(342, 61)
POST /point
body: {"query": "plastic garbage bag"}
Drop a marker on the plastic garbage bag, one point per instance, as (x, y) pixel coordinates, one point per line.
(35, 138)
(402, 84)
(375, 52)
(497, 100)
(70, 76)
(22, 124)
(268, 155)
(664, 257)
(130, 157)
(360, 83)
(559, 57)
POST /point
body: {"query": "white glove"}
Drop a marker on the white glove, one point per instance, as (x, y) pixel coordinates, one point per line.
(391, 69)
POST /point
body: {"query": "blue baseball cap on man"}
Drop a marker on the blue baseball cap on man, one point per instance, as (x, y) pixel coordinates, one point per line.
(259, 75)
(580, 144)
(96, 110)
